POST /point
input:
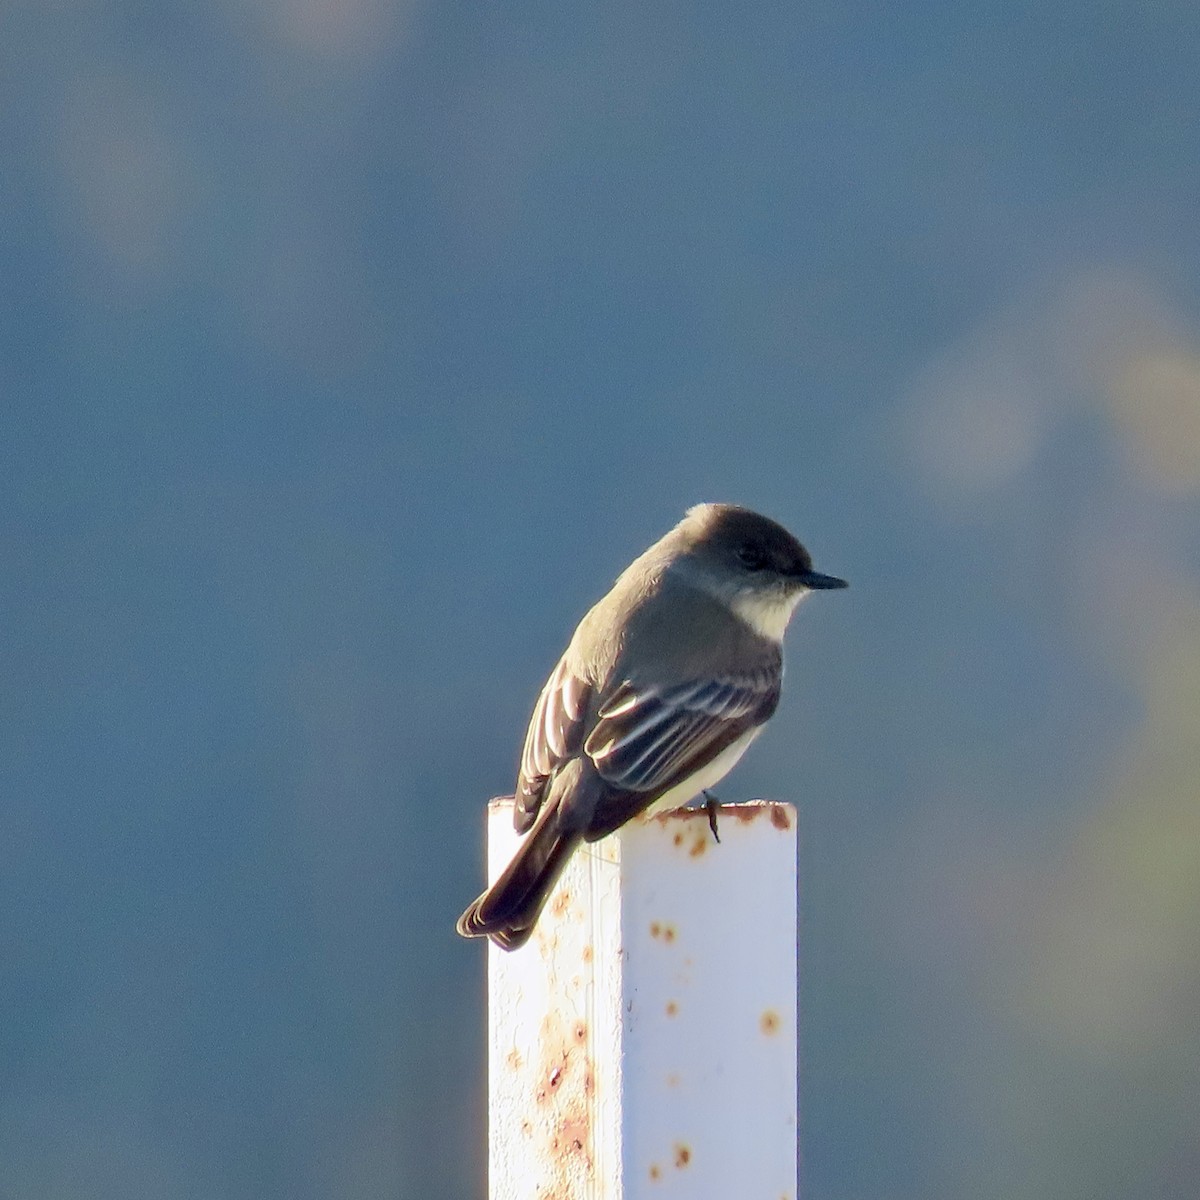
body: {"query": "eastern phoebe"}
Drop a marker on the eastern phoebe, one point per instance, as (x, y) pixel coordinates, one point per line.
(665, 683)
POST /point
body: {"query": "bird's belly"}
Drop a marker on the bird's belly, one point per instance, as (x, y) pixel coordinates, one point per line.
(708, 776)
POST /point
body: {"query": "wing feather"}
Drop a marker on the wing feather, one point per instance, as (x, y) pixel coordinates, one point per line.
(555, 735)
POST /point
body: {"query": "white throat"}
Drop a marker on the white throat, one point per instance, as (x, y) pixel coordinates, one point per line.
(768, 616)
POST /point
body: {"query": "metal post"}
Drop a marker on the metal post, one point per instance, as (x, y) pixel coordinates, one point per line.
(643, 1043)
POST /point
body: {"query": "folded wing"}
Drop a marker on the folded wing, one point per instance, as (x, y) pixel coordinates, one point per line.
(646, 740)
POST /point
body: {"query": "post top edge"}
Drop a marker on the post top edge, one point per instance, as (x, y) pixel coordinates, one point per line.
(781, 813)
(742, 810)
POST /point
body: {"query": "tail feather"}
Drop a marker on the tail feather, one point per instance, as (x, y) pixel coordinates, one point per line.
(509, 909)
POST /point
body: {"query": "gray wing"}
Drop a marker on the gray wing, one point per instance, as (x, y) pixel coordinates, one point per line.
(648, 739)
(555, 735)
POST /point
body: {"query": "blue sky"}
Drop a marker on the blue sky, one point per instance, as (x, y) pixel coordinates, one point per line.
(349, 350)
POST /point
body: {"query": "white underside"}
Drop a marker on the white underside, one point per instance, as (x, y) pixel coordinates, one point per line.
(706, 777)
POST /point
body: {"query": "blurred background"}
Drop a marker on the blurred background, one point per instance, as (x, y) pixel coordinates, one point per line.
(349, 349)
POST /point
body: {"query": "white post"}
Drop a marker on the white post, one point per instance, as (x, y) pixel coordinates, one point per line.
(643, 1043)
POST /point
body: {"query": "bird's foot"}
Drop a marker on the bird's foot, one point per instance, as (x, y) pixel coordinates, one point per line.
(711, 803)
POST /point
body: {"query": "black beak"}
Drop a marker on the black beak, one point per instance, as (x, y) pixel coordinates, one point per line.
(814, 579)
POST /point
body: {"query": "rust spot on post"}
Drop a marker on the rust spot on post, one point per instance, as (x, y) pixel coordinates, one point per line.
(560, 903)
(699, 846)
(572, 1135)
(769, 1022)
(672, 1008)
(683, 1155)
(562, 1079)
(779, 817)
(655, 1173)
(677, 839)
(655, 929)
(668, 933)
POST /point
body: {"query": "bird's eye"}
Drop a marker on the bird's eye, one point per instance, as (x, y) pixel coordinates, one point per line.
(752, 557)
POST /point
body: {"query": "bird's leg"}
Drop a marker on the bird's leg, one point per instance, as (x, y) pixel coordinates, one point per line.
(711, 803)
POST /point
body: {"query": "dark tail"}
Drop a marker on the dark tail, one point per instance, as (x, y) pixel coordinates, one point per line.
(509, 909)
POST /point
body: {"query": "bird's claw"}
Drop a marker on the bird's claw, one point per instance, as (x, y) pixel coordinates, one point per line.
(712, 804)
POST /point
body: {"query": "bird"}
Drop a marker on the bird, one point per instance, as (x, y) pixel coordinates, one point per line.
(663, 686)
